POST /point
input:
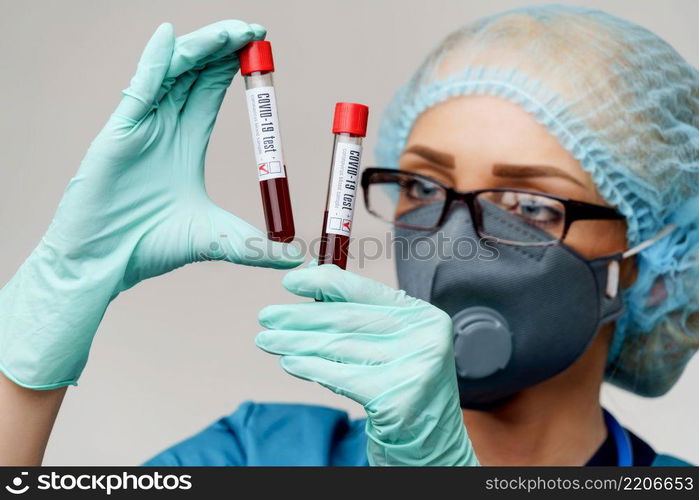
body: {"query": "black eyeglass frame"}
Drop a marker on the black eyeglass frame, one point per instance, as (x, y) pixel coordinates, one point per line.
(574, 210)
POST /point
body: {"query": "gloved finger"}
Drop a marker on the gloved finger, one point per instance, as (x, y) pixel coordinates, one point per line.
(207, 93)
(142, 93)
(205, 45)
(349, 348)
(176, 96)
(332, 317)
(329, 283)
(352, 381)
(237, 241)
(259, 31)
(196, 50)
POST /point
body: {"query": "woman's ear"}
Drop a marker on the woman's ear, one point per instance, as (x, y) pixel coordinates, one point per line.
(658, 292)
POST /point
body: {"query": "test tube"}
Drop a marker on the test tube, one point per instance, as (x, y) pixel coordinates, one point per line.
(349, 127)
(257, 67)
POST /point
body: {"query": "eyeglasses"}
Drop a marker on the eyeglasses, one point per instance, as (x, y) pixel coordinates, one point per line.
(396, 195)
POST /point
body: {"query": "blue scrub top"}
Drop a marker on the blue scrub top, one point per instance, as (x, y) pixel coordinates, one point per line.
(297, 434)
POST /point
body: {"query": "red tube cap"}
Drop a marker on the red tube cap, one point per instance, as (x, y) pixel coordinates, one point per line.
(256, 56)
(350, 118)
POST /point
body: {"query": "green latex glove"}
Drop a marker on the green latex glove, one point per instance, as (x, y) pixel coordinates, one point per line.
(389, 352)
(136, 209)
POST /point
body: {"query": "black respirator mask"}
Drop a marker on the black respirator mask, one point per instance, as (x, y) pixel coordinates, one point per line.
(521, 314)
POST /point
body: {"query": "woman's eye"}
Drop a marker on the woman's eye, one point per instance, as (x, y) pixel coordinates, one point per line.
(537, 211)
(421, 191)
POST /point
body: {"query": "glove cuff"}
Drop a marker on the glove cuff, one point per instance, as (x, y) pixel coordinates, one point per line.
(49, 313)
(440, 441)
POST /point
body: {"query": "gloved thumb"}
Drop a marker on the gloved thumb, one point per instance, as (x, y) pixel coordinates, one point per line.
(235, 240)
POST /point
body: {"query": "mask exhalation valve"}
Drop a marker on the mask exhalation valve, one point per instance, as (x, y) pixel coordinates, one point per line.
(482, 342)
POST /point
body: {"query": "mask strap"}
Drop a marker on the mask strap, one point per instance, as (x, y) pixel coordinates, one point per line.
(645, 244)
(613, 267)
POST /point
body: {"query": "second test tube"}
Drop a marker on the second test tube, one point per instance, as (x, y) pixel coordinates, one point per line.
(349, 127)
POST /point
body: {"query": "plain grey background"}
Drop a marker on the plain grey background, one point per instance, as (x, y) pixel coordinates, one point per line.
(176, 353)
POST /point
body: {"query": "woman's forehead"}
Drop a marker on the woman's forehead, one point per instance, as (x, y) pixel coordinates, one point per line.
(486, 130)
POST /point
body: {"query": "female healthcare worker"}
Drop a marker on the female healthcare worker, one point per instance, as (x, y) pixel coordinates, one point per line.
(562, 141)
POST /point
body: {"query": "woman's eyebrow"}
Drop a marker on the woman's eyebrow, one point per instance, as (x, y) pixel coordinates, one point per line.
(507, 170)
(439, 158)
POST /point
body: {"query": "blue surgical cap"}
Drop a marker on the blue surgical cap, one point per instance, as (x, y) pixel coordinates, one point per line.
(625, 104)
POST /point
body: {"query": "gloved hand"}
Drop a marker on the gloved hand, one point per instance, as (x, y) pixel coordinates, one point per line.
(389, 352)
(136, 209)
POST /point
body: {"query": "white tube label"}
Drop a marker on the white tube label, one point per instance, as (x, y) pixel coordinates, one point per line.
(264, 124)
(344, 186)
